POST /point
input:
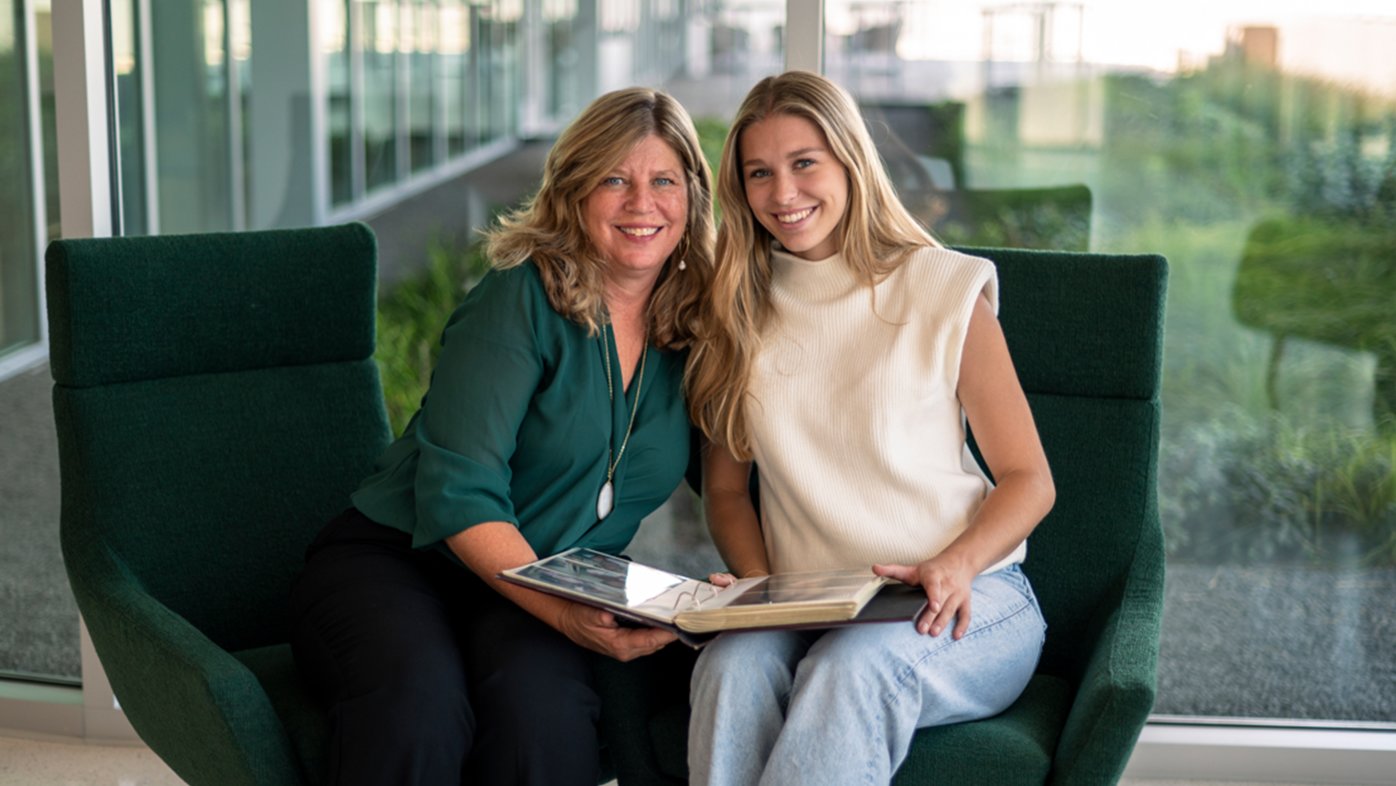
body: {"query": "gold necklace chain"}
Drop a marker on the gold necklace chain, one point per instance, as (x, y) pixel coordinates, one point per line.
(611, 396)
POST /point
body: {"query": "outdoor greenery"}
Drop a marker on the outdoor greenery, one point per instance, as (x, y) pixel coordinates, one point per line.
(411, 316)
(1274, 199)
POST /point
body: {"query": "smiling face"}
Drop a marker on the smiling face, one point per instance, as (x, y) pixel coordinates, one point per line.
(636, 216)
(794, 185)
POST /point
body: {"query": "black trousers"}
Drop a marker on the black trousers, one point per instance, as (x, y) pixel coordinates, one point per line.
(431, 677)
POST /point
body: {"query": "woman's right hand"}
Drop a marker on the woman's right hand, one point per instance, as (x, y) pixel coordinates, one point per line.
(599, 631)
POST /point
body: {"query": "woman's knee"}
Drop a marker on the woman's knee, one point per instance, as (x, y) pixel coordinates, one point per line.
(748, 662)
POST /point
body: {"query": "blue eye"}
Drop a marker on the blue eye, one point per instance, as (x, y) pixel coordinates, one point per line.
(663, 181)
(758, 173)
(613, 180)
(804, 163)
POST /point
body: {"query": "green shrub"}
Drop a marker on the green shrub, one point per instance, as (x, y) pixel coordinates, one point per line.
(1244, 489)
(411, 316)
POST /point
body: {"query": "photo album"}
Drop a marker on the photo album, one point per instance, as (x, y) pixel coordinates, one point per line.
(696, 610)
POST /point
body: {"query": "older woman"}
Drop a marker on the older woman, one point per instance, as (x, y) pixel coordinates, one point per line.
(555, 418)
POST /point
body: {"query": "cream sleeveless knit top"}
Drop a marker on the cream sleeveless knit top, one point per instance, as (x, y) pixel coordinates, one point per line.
(856, 428)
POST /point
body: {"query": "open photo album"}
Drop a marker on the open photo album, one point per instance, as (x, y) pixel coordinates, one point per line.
(650, 596)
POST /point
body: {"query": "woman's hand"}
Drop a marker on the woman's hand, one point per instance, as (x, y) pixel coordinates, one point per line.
(946, 580)
(728, 579)
(599, 631)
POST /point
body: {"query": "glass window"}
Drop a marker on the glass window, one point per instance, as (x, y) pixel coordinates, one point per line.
(240, 78)
(378, 43)
(420, 35)
(193, 150)
(499, 82)
(1253, 144)
(126, 63)
(334, 37)
(19, 313)
(564, 34)
(39, 636)
(457, 82)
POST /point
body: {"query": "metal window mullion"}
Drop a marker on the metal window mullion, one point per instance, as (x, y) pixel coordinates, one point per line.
(151, 165)
(38, 189)
(232, 91)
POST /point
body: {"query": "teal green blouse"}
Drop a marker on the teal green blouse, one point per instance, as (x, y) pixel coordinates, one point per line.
(517, 426)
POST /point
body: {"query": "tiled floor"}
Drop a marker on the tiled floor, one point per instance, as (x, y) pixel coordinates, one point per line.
(26, 762)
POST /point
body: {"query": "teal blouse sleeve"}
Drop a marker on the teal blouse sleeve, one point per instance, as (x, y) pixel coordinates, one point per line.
(485, 376)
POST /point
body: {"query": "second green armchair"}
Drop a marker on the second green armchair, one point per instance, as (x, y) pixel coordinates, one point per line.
(1086, 334)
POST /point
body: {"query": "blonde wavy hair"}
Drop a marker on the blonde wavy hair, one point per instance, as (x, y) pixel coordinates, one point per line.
(550, 228)
(877, 234)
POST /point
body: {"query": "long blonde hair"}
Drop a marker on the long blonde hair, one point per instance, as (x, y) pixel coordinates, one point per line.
(550, 228)
(877, 236)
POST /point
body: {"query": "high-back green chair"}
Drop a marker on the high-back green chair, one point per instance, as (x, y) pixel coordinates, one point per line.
(216, 402)
(1086, 334)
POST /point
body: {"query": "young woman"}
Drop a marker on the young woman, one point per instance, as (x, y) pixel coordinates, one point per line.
(843, 351)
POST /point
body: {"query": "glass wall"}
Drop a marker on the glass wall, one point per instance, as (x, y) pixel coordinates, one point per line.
(39, 635)
(19, 314)
(421, 31)
(377, 44)
(130, 104)
(1254, 145)
(424, 82)
(334, 40)
(193, 137)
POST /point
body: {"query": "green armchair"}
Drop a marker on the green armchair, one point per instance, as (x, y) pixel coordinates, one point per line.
(1086, 334)
(216, 402)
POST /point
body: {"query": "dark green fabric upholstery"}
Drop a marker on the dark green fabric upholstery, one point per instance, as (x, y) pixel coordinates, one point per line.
(1086, 333)
(216, 402)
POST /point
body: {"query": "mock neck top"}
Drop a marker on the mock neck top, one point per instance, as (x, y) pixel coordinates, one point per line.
(856, 428)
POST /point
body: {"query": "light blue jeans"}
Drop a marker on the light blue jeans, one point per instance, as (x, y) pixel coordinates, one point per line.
(840, 706)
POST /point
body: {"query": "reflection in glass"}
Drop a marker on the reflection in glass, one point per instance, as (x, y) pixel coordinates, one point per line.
(378, 42)
(18, 257)
(240, 77)
(1259, 155)
(499, 70)
(564, 73)
(193, 153)
(130, 119)
(420, 32)
(334, 37)
(453, 47)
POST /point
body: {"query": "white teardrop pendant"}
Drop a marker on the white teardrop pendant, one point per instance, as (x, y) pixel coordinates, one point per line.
(605, 501)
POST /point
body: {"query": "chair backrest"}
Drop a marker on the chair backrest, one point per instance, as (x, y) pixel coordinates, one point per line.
(216, 402)
(1086, 335)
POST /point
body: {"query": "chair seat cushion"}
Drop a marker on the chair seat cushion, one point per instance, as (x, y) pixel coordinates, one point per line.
(302, 716)
(1015, 746)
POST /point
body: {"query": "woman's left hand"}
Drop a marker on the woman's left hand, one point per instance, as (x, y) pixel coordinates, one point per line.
(946, 581)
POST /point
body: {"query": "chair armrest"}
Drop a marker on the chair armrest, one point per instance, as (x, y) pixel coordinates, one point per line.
(1117, 688)
(201, 710)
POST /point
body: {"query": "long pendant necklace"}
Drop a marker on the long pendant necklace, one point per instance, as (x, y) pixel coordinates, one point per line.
(606, 498)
